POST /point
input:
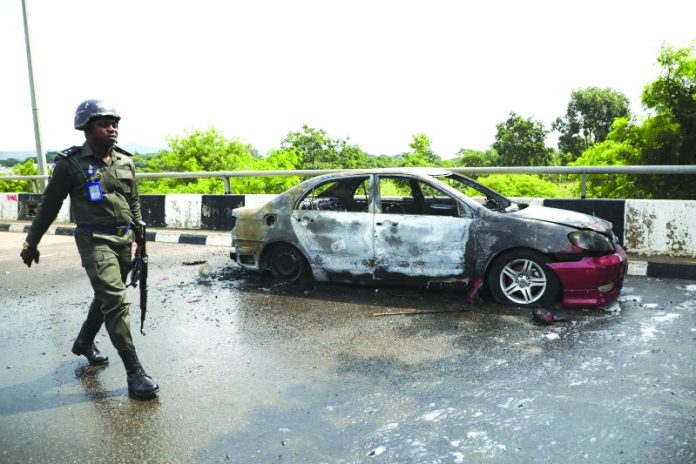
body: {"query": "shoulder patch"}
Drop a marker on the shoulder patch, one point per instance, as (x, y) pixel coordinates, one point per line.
(70, 151)
(121, 150)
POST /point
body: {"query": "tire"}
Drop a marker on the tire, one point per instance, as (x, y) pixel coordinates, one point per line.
(286, 263)
(522, 278)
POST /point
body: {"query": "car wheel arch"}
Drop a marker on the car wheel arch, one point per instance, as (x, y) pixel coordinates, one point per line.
(528, 251)
(270, 249)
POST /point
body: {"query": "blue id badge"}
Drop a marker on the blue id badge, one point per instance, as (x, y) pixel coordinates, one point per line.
(94, 191)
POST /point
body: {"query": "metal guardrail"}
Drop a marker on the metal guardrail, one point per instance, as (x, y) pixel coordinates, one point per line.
(582, 170)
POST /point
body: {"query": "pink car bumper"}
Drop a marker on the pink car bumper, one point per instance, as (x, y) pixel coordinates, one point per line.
(592, 281)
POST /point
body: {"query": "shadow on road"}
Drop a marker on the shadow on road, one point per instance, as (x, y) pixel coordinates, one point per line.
(44, 393)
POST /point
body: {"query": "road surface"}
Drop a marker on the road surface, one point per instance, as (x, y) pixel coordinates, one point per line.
(256, 373)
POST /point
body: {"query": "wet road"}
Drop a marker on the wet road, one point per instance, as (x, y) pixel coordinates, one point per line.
(253, 373)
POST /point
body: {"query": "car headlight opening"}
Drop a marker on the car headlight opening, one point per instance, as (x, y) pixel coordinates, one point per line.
(590, 240)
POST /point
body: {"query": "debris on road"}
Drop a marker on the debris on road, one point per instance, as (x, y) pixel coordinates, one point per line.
(411, 313)
(546, 317)
(205, 270)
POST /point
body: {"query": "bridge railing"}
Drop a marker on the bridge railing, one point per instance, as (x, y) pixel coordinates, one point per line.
(583, 171)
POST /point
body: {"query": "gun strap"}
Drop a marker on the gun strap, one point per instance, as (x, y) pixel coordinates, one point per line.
(79, 168)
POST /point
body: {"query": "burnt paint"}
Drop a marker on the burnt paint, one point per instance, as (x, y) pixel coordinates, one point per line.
(609, 209)
(490, 235)
(433, 246)
(496, 234)
(344, 239)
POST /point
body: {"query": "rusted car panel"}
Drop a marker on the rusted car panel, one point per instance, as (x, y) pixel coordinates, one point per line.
(410, 226)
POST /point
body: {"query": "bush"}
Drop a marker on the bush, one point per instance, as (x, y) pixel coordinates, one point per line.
(608, 153)
(520, 185)
(28, 168)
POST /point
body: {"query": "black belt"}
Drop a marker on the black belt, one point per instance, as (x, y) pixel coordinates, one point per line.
(116, 230)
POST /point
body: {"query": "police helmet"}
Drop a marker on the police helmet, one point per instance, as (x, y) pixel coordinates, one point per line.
(90, 109)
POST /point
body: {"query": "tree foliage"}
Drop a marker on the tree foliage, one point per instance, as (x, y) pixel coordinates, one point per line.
(475, 158)
(588, 119)
(596, 129)
(422, 154)
(617, 150)
(198, 151)
(672, 98)
(520, 185)
(10, 162)
(521, 142)
(28, 168)
(316, 150)
(666, 136)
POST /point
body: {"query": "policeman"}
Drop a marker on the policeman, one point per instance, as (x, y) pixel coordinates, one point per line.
(100, 179)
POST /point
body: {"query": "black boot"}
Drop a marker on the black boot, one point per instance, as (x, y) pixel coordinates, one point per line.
(84, 345)
(90, 352)
(140, 385)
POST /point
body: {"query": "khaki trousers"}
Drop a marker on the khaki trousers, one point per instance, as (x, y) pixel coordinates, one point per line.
(106, 260)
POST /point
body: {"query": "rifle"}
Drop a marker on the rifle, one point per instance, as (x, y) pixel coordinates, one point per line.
(138, 270)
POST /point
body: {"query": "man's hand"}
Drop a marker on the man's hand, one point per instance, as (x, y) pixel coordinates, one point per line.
(29, 254)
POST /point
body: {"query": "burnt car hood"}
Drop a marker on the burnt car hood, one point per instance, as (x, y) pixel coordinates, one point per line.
(564, 217)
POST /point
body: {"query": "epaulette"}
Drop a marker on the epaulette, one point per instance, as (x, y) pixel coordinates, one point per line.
(121, 150)
(70, 151)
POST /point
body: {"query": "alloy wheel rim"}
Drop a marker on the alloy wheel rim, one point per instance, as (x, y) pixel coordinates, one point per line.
(523, 281)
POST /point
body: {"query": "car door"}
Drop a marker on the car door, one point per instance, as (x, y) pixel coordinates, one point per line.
(421, 232)
(334, 225)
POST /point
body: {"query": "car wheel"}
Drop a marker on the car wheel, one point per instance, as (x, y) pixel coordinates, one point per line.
(286, 263)
(522, 278)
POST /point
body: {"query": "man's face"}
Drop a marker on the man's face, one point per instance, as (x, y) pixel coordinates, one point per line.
(102, 132)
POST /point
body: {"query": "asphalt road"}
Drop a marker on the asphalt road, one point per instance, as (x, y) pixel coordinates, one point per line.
(256, 373)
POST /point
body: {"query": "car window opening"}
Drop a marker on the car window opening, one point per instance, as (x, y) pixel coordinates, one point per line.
(350, 195)
(403, 195)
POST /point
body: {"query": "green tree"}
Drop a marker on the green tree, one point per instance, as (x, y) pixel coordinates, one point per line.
(10, 162)
(198, 151)
(475, 158)
(618, 150)
(588, 119)
(319, 151)
(672, 99)
(381, 161)
(277, 160)
(666, 136)
(521, 142)
(422, 155)
(142, 161)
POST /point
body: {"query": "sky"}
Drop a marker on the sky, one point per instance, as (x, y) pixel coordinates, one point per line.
(375, 72)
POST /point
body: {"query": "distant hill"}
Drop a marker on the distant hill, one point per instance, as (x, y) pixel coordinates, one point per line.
(131, 147)
(139, 148)
(20, 155)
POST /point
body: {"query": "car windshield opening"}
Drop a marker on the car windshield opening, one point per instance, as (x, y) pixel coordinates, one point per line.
(479, 193)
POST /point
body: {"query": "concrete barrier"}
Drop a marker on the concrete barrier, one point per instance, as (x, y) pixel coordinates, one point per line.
(661, 227)
(645, 227)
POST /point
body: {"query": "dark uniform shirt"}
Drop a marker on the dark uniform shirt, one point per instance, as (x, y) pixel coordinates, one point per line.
(75, 169)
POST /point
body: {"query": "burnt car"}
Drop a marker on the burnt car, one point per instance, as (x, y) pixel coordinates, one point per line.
(431, 228)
